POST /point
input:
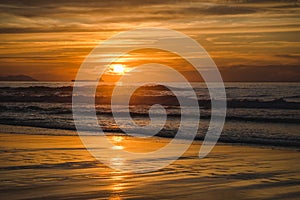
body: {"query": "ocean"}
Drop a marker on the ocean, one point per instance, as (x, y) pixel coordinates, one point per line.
(257, 113)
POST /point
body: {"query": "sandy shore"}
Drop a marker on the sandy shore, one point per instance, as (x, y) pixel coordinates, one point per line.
(59, 167)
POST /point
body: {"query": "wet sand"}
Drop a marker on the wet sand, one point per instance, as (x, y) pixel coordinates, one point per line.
(59, 167)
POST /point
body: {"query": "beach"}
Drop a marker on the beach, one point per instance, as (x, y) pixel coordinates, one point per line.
(131, 99)
(38, 165)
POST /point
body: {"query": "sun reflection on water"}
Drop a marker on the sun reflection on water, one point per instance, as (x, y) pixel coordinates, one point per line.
(117, 141)
(117, 177)
(117, 138)
(118, 185)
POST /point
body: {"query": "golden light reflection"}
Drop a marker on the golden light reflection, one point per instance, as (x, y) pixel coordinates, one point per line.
(117, 147)
(117, 178)
(116, 161)
(117, 138)
(115, 197)
(117, 141)
(118, 68)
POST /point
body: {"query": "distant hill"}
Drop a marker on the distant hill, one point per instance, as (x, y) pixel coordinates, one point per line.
(17, 78)
(101, 80)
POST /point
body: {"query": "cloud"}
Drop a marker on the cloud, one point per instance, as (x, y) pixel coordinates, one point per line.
(211, 9)
(78, 15)
(269, 73)
(290, 56)
(53, 33)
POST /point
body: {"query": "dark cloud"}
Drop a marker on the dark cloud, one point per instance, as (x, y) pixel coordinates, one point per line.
(291, 56)
(212, 10)
(81, 3)
(266, 1)
(271, 73)
(79, 15)
(66, 28)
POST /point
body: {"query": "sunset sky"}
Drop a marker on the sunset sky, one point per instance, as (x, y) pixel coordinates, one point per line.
(249, 40)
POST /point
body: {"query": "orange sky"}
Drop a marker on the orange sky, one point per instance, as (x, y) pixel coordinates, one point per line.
(250, 40)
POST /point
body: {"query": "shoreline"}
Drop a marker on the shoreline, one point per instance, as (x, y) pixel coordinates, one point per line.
(71, 132)
(59, 167)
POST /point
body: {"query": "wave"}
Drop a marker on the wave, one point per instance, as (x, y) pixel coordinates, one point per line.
(37, 88)
(167, 100)
(244, 96)
(70, 88)
(279, 103)
(64, 165)
(167, 133)
(265, 115)
(293, 97)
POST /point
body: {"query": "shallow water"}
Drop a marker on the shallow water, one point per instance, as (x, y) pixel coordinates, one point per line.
(53, 166)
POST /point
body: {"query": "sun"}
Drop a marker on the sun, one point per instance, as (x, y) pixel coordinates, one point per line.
(118, 68)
